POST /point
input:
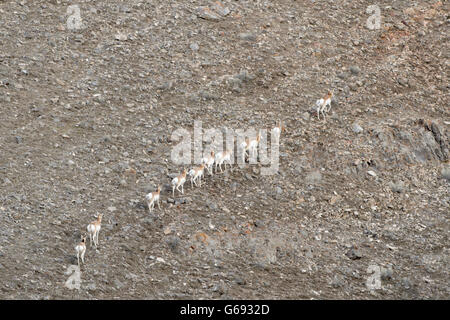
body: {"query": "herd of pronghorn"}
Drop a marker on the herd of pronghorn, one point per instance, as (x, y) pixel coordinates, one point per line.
(249, 147)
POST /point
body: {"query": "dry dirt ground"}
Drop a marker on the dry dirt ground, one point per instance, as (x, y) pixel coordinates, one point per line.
(361, 199)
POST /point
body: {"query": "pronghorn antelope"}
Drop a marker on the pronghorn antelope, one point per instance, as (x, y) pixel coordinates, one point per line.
(251, 145)
(179, 181)
(209, 161)
(322, 104)
(81, 250)
(196, 174)
(94, 228)
(279, 128)
(153, 197)
(223, 157)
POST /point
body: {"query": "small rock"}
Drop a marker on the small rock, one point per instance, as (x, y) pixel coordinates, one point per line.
(219, 287)
(131, 276)
(306, 116)
(354, 254)
(173, 243)
(91, 287)
(372, 173)
(247, 36)
(124, 8)
(183, 200)
(445, 172)
(337, 282)
(150, 219)
(355, 70)
(333, 199)
(166, 85)
(391, 235)
(406, 283)
(220, 8)
(398, 187)
(356, 128)
(18, 139)
(121, 36)
(194, 46)
(259, 223)
(211, 205)
(403, 82)
(161, 260)
(244, 76)
(279, 190)
(386, 273)
(207, 14)
(119, 285)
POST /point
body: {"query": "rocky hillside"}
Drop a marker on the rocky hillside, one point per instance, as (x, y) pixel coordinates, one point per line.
(90, 97)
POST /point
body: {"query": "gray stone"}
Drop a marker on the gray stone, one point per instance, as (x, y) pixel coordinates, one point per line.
(240, 281)
(243, 75)
(406, 283)
(403, 82)
(355, 70)
(445, 172)
(117, 284)
(220, 9)
(306, 116)
(212, 205)
(194, 46)
(91, 287)
(207, 14)
(259, 223)
(398, 186)
(354, 254)
(356, 128)
(337, 282)
(247, 36)
(173, 243)
(386, 273)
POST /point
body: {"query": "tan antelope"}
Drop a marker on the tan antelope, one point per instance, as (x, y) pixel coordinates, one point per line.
(153, 197)
(209, 161)
(179, 181)
(196, 174)
(322, 104)
(223, 157)
(94, 228)
(81, 250)
(279, 128)
(250, 145)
